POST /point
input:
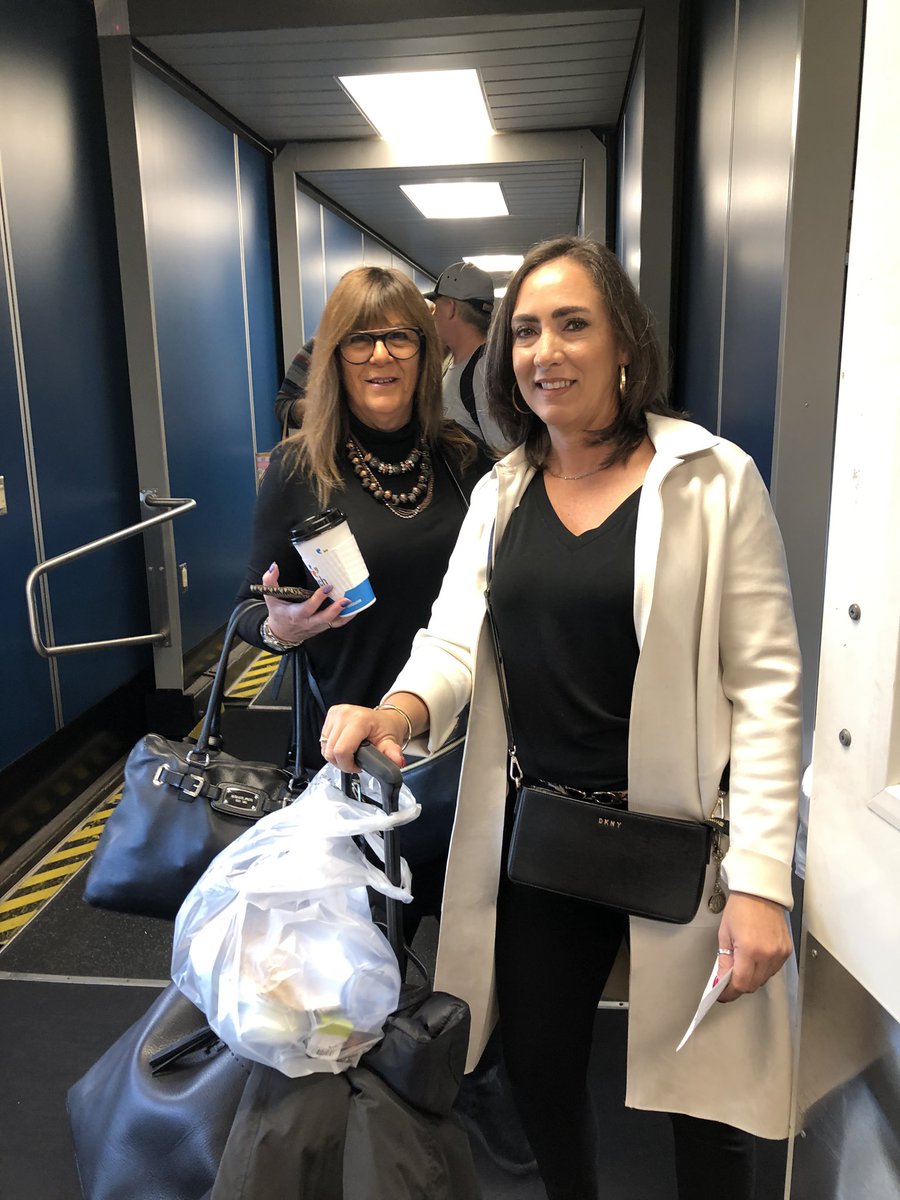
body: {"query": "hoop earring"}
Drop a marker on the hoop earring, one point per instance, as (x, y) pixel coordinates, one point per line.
(526, 411)
(623, 381)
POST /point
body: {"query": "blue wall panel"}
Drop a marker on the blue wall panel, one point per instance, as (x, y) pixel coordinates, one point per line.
(707, 154)
(258, 241)
(761, 167)
(376, 253)
(30, 718)
(190, 198)
(312, 263)
(400, 264)
(343, 248)
(61, 228)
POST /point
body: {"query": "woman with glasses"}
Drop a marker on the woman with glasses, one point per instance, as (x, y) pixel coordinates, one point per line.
(374, 444)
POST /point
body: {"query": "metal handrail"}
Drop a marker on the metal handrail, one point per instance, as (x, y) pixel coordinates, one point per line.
(175, 507)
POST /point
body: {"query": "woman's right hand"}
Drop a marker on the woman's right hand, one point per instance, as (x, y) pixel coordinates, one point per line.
(291, 622)
(347, 726)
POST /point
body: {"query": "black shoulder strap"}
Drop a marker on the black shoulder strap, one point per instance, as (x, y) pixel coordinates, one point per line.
(467, 384)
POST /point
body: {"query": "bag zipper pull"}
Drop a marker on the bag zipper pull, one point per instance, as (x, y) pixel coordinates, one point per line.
(515, 771)
(717, 900)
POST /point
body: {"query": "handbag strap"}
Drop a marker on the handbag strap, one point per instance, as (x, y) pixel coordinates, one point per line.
(515, 771)
(209, 739)
(459, 488)
(718, 821)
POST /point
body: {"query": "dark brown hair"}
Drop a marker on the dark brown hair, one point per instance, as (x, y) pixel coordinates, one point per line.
(645, 389)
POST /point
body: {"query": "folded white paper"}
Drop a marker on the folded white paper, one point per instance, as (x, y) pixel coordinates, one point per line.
(714, 988)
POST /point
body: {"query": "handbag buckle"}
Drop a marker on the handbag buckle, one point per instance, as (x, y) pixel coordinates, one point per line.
(238, 800)
(158, 774)
(193, 790)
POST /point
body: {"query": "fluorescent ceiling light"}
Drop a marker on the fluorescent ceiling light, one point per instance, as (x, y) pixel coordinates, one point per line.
(496, 262)
(436, 105)
(446, 201)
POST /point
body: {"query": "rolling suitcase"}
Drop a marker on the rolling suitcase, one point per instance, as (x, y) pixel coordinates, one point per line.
(382, 1130)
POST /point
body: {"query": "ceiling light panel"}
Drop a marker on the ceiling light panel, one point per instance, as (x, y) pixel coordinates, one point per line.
(406, 105)
(497, 263)
(453, 201)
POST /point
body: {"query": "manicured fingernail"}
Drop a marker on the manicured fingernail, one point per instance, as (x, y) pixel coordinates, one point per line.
(272, 567)
(344, 602)
(329, 587)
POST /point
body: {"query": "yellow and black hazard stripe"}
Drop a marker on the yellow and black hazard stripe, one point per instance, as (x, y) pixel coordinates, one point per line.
(255, 678)
(54, 871)
(249, 683)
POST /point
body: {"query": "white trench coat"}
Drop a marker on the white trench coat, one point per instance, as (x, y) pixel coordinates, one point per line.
(718, 679)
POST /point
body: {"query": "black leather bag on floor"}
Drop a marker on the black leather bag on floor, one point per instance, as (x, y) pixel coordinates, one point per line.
(182, 804)
(150, 1119)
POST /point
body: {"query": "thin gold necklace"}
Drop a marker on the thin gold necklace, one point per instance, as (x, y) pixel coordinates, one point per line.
(583, 475)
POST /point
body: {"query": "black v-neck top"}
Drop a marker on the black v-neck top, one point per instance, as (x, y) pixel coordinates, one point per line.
(564, 606)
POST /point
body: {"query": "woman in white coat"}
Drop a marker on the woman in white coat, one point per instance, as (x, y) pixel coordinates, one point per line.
(645, 620)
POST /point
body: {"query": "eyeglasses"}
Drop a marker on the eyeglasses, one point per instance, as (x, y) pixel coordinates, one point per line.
(359, 346)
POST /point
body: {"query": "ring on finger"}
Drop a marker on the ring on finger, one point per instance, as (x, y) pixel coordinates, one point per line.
(323, 740)
(728, 952)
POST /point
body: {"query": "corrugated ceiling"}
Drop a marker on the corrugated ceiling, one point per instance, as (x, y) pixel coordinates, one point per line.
(540, 72)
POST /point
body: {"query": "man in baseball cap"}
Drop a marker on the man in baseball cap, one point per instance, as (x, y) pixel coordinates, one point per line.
(465, 281)
(463, 301)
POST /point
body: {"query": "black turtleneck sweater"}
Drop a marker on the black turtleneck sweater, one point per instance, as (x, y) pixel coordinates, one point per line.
(406, 560)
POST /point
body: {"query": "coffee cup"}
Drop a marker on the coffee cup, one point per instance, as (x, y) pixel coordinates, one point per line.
(329, 550)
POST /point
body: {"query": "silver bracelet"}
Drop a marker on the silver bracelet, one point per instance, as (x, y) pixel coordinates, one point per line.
(405, 716)
(273, 642)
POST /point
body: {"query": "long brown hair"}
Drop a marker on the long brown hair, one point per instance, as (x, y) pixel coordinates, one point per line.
(363, 299)
(645, 389)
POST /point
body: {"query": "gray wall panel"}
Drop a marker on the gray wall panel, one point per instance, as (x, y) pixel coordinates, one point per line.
(631, 174)
(848, 1088)
(312, 263)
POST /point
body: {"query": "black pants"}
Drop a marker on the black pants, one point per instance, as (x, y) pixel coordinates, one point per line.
(553, 957)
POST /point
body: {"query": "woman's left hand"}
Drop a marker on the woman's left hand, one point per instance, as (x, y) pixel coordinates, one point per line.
(756, 931)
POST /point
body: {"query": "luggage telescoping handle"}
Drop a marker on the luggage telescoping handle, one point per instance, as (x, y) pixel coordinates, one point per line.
(389, 779)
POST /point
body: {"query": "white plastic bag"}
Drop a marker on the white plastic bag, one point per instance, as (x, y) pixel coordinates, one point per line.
(275, 943)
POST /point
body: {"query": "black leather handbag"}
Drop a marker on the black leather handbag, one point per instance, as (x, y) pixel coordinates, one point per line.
(182, 804)
(434, 781)
(592, 849)
(588, 845)
(150, 1119)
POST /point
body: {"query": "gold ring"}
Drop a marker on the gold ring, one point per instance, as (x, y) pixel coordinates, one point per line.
(323, 739)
